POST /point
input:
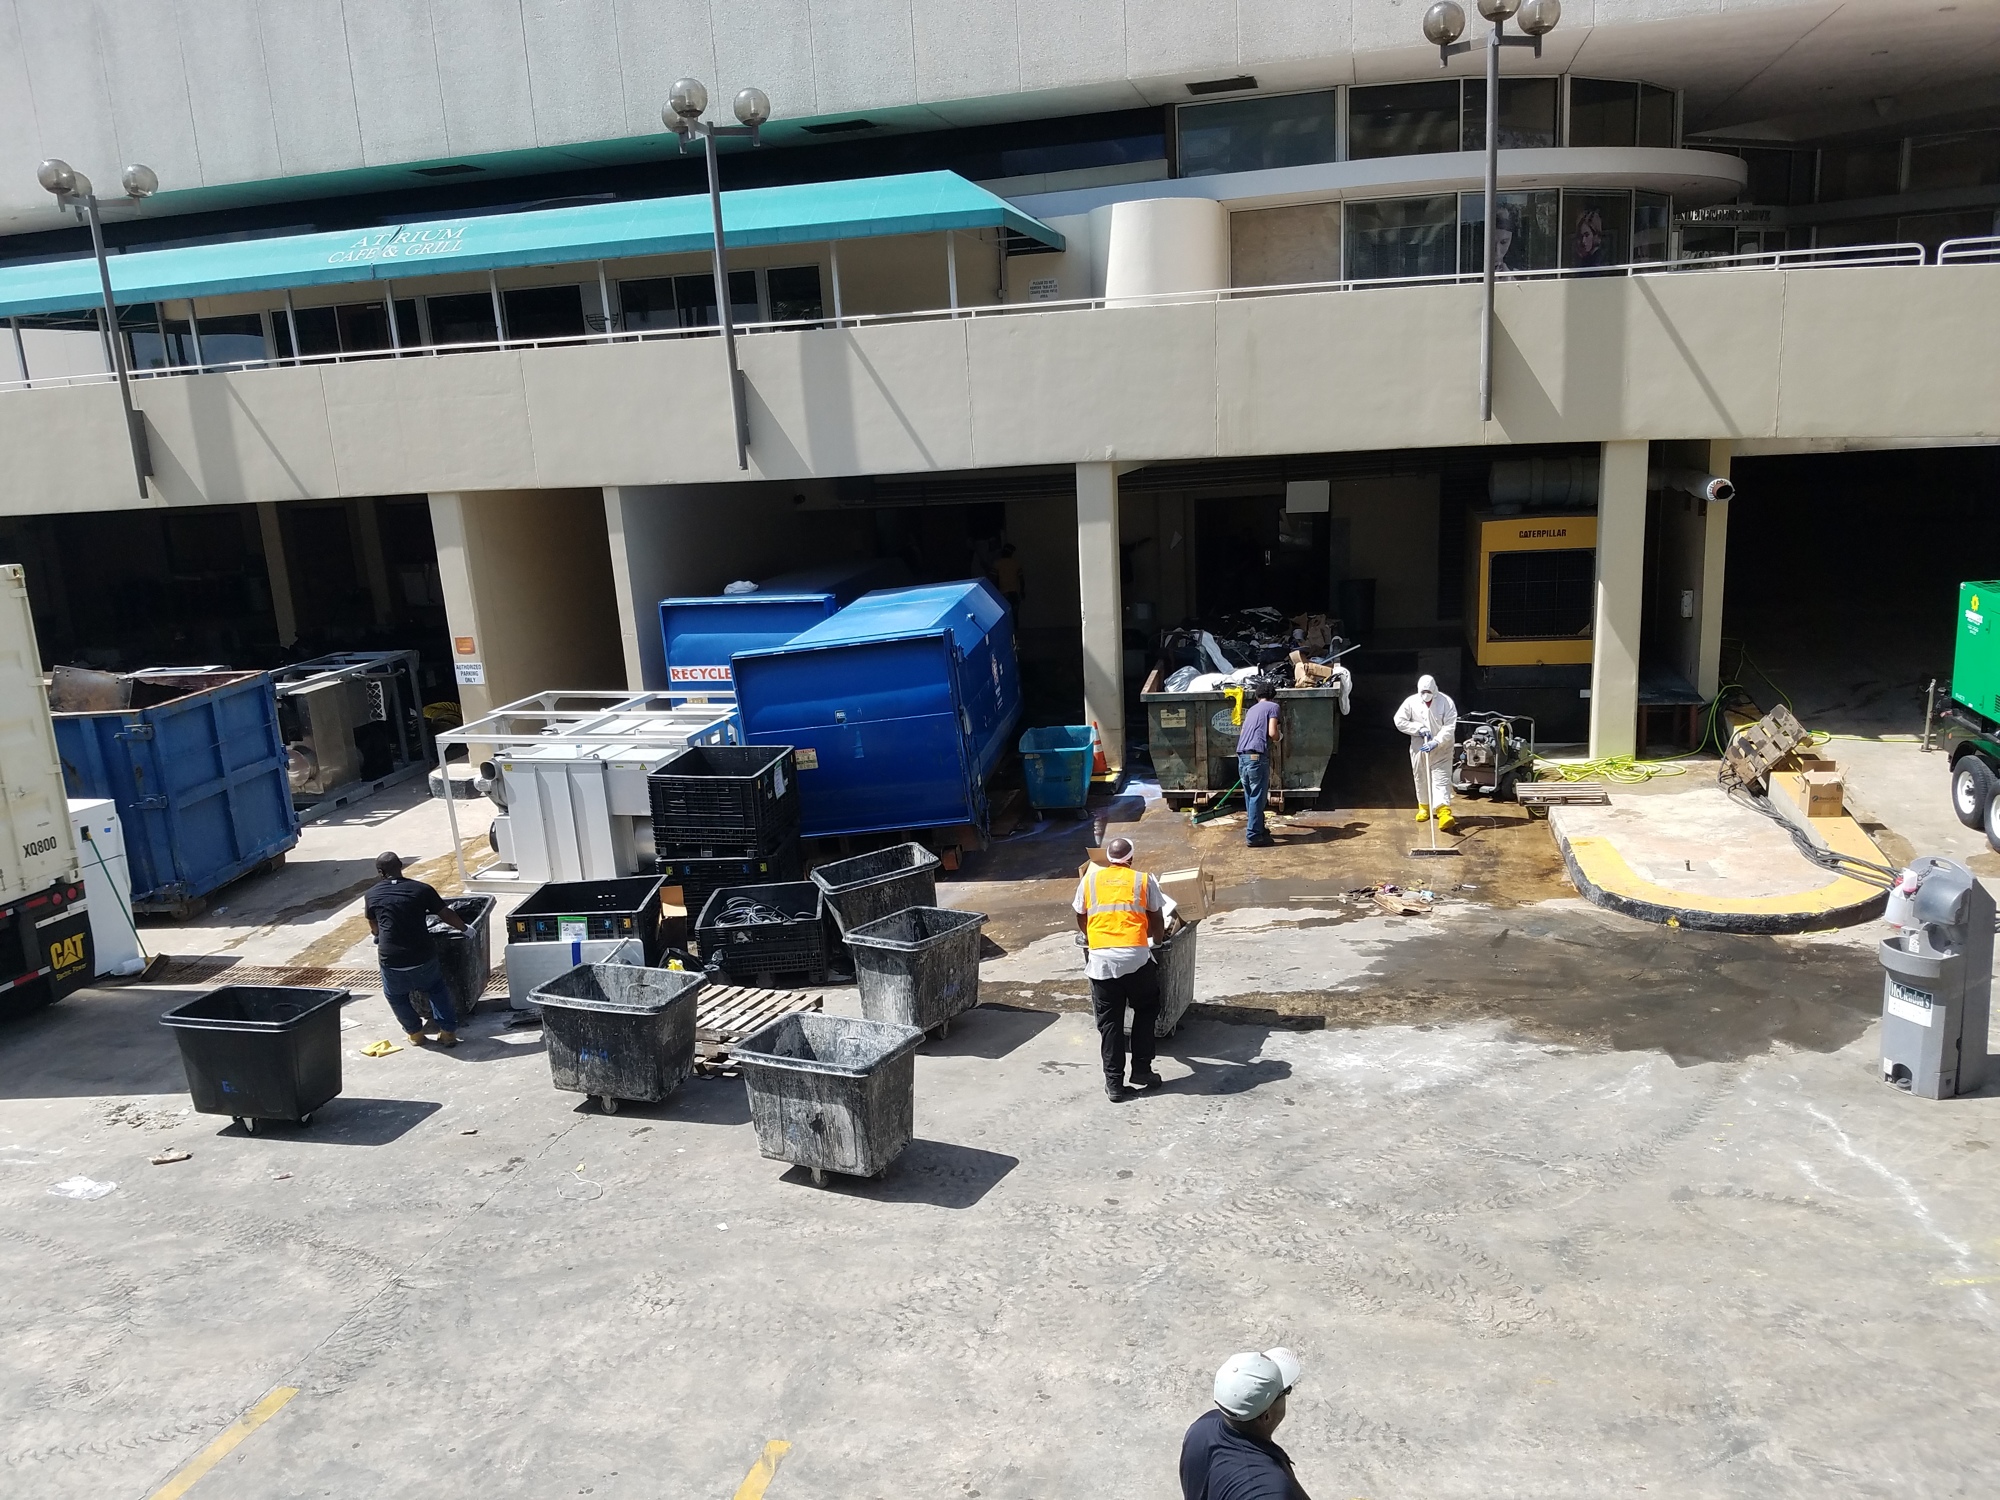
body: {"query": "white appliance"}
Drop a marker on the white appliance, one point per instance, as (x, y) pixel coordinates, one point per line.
(532, 965)
(107, 885)
(577, 812)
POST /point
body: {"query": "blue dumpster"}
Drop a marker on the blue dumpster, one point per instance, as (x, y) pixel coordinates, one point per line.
(1055, 765)
(197, 769)
(700, 634)
(898, 708)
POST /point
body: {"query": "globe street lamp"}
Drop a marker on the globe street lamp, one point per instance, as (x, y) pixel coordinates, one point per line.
(686, 102)
(1444, 24)
(72, 190)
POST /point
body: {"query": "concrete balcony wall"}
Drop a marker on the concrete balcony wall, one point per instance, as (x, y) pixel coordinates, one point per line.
(1897, 354)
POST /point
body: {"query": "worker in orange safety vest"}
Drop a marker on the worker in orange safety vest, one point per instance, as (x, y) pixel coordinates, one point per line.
(1120, 912)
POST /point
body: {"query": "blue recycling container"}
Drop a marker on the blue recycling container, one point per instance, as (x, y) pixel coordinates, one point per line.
(701, 633)
(897, 708)
(1055, 764)
(197, 768)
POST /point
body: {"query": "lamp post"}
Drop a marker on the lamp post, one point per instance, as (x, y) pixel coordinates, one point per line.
(685, 103)
(1444, 23)
(73, 191)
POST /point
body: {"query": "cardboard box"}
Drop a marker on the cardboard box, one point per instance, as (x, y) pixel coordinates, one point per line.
(673, 917)
(1818, 794)
(1191, 890)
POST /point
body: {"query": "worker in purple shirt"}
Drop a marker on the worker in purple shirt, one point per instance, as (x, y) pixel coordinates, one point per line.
(1228, 1453)
(1253, 762)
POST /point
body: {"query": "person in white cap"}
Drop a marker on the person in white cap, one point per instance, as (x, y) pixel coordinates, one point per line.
(1428, 717)
(1228, 1453)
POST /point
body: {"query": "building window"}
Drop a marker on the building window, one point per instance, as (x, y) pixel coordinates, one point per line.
(1402, 237)
(794, 294)
(1778, 179)
(1526, 231)
(167, 344)
(1292, 246)
(1597, 229)
(1250, 135)
(543, 312)
(1652, 226)
(1527, 113)
(1602, 113)
(1402, 119)
(465, 319)
(1869, 171)
(1969, 159)
(351, 328)
(1657, 125)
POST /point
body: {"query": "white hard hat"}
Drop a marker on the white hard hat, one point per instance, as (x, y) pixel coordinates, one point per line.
(1247, 1384)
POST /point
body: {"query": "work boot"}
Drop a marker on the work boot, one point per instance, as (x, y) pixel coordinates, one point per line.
(1261, 841)
(1423, 814)
(1147, 1080)
(1115, 1091)
(447, 1039)
(1446, 822)
(417, 1038)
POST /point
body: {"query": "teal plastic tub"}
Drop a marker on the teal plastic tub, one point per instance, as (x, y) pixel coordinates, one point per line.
(1055, 763)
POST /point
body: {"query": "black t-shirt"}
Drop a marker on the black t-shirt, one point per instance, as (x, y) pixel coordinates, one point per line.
(1220, 1463)
(399, 907)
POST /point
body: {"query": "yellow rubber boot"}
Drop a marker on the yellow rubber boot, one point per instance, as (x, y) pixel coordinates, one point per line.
(1446, 822)
(1423, 814)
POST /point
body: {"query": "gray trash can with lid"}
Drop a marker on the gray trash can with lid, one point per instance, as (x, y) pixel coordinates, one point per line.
(1937, 980)
(919, 966)
(619, 1032)
(833, 1093)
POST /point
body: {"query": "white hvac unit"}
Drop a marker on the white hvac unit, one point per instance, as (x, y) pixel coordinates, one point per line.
(107, 885)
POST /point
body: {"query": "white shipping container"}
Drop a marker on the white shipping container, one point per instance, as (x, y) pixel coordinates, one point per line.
(37, 844)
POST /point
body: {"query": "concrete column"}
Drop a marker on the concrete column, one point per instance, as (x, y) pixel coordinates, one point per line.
(1159, 245)
(1714, 561)
(1621, 587)
(1101, 607)
(279, 574)
(528, 593)
(367, 532)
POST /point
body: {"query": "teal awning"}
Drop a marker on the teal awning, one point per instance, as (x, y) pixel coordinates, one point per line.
(864, 208)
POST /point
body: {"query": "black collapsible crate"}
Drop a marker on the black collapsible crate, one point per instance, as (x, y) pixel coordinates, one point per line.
(782, 930)
(701, 878)
(625, 908)
(714, 800)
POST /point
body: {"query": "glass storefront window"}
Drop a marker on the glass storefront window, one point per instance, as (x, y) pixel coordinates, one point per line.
(1603, 113)
(1526, 231)
(543, 312)
(1871, 171)
(1596, 229)
(1402, 237)
(351, 328)
(1527, 113)
(1249, 135)
(1652, 222)
(1402, 119)
(464, 319)
(689, 301)
(1656, 116)
(794, 292)
(1966, 160)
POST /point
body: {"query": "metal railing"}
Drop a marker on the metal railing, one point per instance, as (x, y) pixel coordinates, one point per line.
(1983, 249)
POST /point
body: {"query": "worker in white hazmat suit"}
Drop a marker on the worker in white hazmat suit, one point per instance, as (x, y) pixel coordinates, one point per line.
(1428, 718)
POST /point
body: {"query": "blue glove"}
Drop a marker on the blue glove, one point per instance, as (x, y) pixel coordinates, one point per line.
(1428, 745)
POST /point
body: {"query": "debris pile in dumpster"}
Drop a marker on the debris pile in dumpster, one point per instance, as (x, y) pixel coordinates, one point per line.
(1257, 644)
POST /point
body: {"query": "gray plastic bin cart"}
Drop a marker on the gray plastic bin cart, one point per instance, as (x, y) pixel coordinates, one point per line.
(833, 1093)
(918, 967)
(466, 957)
(1176, 960)
(618, 1032)
(260, 1052)
(869, 887)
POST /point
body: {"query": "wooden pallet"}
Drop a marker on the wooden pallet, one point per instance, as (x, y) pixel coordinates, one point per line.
(730, 1012)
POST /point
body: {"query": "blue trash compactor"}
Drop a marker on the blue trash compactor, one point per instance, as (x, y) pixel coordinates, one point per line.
(899, 707)
(701, 633)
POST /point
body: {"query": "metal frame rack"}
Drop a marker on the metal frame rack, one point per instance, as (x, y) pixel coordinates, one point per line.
(390, 682)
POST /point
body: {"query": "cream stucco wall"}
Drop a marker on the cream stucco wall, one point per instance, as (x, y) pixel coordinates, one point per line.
(1887, 354)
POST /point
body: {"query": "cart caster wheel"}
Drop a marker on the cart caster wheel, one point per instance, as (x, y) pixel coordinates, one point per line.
(305, 1120)
(938, 1032)
(249, 1125)
(819, 1176)
(609, 1104)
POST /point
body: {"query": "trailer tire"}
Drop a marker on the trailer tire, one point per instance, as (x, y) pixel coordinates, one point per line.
(1971, 790)
(1993, 824)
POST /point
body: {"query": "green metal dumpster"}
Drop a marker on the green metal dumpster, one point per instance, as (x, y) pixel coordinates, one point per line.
(1193, 740)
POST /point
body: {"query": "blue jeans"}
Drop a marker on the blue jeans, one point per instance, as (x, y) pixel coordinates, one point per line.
(398, 985)
(1256, 773)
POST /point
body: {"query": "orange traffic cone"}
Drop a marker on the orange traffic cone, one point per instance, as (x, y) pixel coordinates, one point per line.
(1098, 765)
